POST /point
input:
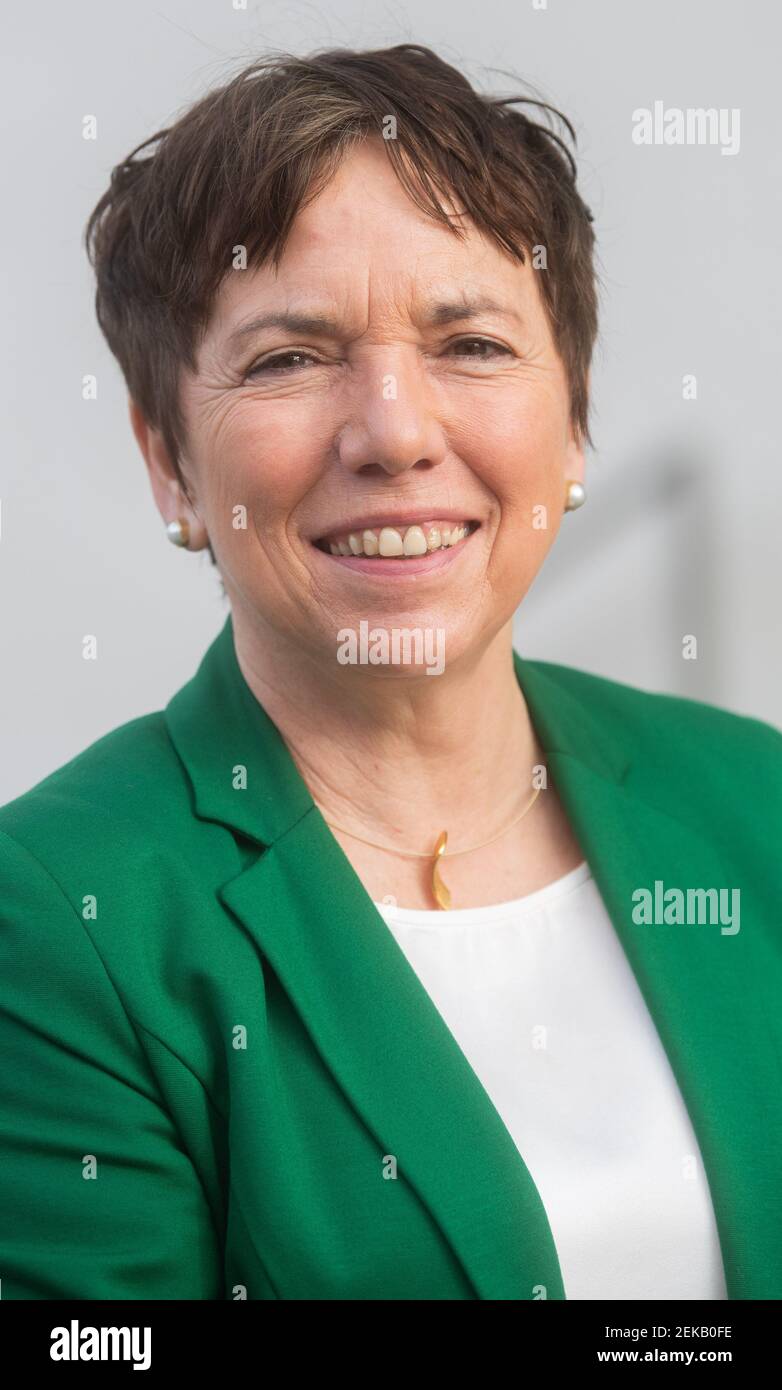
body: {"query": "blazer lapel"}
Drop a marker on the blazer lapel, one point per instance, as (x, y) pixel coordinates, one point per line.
(393, 1056)
(705, 989)
(383, 1038)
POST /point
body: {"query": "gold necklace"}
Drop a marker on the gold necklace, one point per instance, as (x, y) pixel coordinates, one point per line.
(440, 891)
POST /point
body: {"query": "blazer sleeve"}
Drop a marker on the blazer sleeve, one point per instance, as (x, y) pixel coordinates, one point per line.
(98, 1197)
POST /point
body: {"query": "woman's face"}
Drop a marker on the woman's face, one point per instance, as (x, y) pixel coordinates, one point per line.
(427, 389)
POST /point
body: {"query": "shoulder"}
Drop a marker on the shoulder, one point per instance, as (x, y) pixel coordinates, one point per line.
(106, 859)
(657, 728)
(119, 769)
(113, 796)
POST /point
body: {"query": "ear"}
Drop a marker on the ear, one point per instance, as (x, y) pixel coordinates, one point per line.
(166, 488)
(575, 453)
(575, 461)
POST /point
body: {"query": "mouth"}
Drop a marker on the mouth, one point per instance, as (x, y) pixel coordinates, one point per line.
(402, 544)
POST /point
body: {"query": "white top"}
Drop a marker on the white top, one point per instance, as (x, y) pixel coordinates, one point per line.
(541, 999)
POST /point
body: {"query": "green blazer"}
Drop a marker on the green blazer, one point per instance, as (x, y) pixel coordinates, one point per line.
(220, 1076)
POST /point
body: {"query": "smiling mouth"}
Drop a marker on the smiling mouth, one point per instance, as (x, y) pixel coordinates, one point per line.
(397, 542)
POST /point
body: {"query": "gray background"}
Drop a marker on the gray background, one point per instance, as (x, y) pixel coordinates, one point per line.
(680, 533)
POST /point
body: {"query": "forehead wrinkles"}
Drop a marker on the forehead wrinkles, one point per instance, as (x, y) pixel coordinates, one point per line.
(376, 295)
(390, 299)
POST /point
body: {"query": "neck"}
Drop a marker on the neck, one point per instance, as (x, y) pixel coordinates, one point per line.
(400, 757)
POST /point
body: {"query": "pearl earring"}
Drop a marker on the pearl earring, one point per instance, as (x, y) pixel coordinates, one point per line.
(178, 532)
(576, 495)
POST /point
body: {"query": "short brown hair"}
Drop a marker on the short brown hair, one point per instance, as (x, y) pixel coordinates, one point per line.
(238, 165)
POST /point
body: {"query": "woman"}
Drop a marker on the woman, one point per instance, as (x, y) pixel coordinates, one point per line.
(375, 965)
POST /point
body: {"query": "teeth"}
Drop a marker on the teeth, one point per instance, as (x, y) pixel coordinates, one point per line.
(415, 541)
(394, 541)
(389, 542)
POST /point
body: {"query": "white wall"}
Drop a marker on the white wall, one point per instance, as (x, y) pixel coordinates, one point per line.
(680, 533)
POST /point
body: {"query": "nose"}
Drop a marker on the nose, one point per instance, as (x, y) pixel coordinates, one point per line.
(391, 427)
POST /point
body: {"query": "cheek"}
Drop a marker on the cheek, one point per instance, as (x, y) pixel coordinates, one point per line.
(264, 462)
(518, 450)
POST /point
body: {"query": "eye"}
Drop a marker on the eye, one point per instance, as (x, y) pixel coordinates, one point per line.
(478, 343)
(279, 364)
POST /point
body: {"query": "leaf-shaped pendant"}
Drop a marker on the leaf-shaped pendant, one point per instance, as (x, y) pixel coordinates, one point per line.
(441, 893)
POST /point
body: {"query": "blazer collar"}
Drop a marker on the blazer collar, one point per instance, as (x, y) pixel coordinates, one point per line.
(217, 725)
(388, 1046)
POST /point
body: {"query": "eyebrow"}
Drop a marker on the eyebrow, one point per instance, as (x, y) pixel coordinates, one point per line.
(456, 311)
(438, 314)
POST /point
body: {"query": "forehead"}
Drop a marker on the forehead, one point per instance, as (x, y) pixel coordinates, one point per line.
(363, 238)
